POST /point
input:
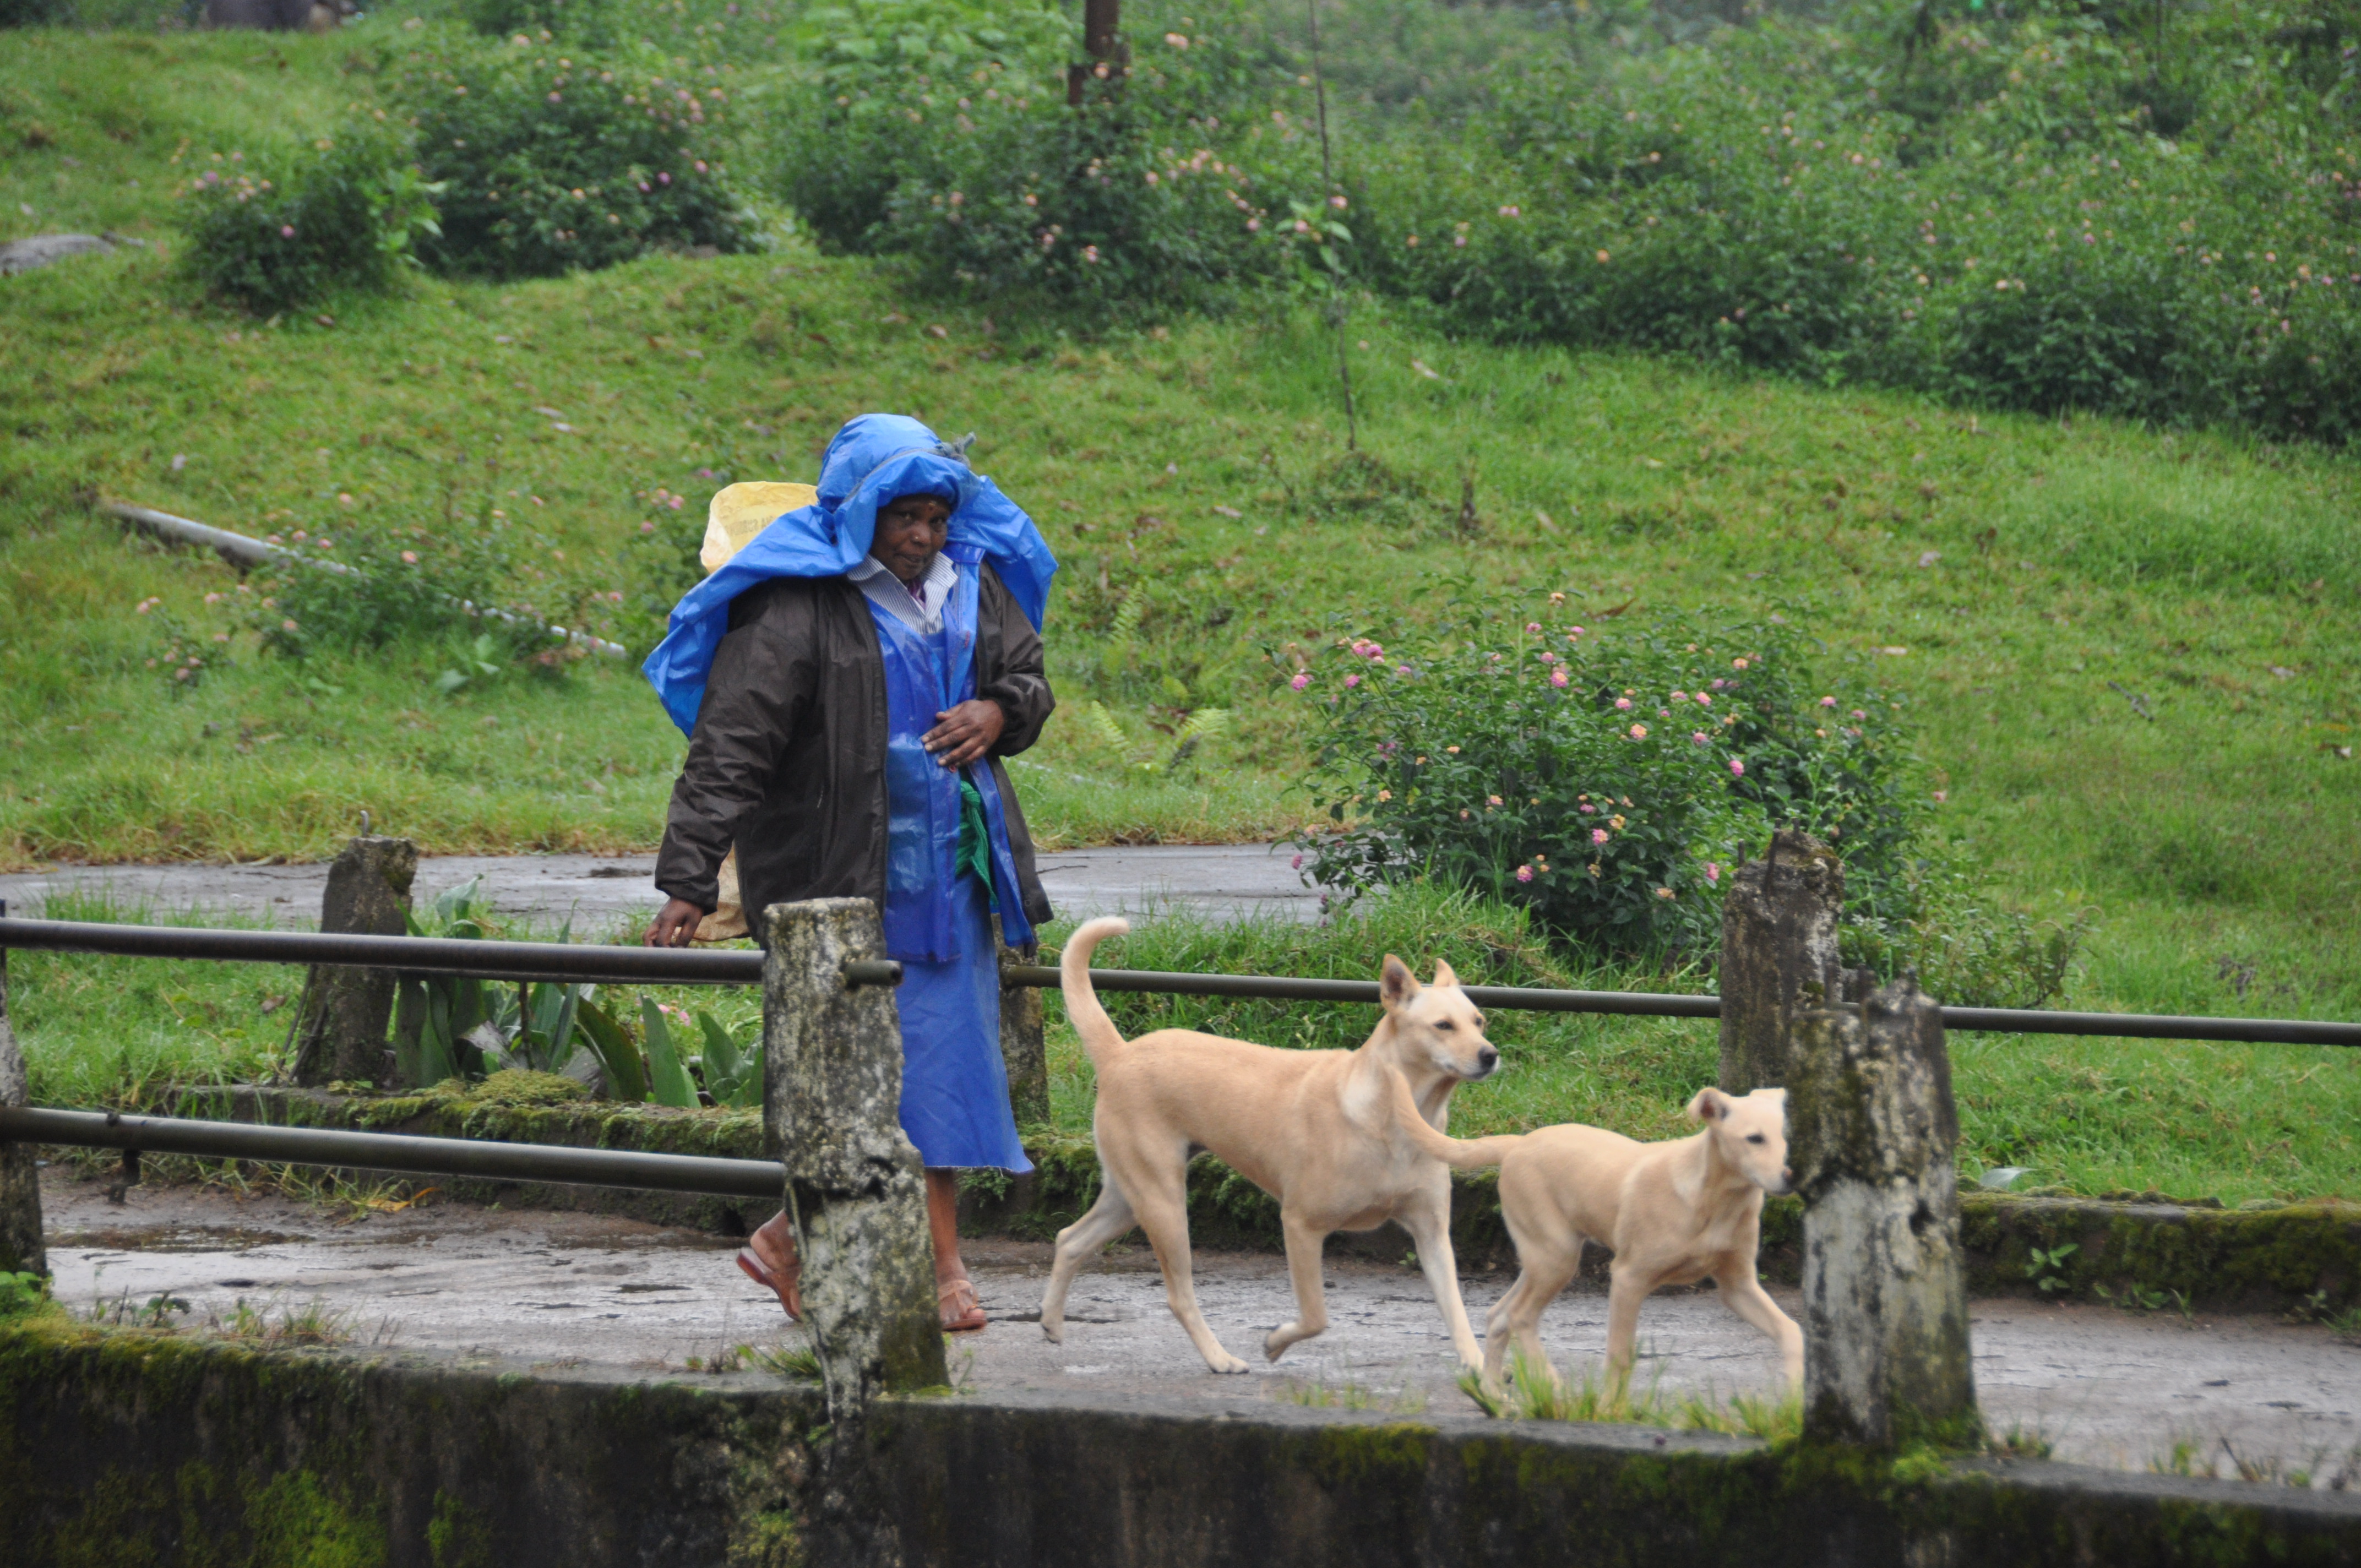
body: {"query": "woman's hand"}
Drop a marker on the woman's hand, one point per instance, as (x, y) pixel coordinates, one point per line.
(675, 924)
(966, 732)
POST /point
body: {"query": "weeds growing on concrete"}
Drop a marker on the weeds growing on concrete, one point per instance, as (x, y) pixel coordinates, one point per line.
(1539, 1393)
(1319, 1394)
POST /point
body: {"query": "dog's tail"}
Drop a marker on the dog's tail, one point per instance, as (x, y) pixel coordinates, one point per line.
(1082, 1009)
(1463, 1154)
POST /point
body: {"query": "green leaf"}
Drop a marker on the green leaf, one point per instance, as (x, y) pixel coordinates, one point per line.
(721, 1064)
(667, 1079)
(627, 1077)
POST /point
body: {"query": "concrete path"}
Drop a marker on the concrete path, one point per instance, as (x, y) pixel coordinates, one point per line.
(603, 892)
(561, 1289)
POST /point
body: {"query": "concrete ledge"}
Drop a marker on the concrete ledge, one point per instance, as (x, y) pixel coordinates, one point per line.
(2269, 1259)
(126, 1446)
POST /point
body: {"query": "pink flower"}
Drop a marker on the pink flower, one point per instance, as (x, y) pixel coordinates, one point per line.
(1557, 677)
(1524, 873)
(1941, 795)
(1296, 864)
(1352, 680)
(1680, 697)
(1300, 681)
(1738, 663)
(1712, 871)
(409, 558)
(1491, 800)
(1737, 769)
(1705, 701)
(286, 626)
(286, 231)
(1623, 705)
(1572, 634)
(1508, 212)
(647, 528)
(1599, 835)
(1254, 226)
(1090, 253)
(1827, 701)
(1698, 738)
(1587, 808)
(1859, 714)
(1532, 626)
(675, 503)
(1638, 732)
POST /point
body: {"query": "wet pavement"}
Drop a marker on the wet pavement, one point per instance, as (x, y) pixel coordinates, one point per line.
(600, 893)
(565, 1291)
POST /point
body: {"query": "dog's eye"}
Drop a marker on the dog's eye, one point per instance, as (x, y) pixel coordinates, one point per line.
(1754, 1137)
(1444, 1025)
(1479, 1020)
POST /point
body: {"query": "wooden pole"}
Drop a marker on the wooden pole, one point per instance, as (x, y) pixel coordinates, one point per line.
(1872, 1138)
(21, 1250)
(831, 1103)
(1778, 954)
(341, 1029)
(1103, 42)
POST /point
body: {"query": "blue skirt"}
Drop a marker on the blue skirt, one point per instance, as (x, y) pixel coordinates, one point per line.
(954, 1084)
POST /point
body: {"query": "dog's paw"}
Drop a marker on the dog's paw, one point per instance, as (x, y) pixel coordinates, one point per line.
(1054, 1332)
(1229, 1365)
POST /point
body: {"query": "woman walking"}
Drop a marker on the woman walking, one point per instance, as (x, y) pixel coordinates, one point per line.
(848, 682)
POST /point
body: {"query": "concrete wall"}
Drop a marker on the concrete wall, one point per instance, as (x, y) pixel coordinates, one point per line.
(122, 1447)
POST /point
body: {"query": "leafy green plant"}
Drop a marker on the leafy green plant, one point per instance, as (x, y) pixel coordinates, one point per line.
(361, 588)
(2046, 1267)
(23, 1293)
(346, 213)
(732, 1071)
(552, 158)
(668, 1080)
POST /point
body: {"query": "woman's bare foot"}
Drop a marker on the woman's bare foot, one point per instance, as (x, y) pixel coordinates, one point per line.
(954, 1292)
(769, 1260)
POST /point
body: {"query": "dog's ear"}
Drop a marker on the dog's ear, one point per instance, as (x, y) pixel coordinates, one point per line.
(1396, 984)
(1711, 1105)
(1445, 974)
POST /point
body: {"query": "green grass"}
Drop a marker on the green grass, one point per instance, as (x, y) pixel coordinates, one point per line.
(2081, 564)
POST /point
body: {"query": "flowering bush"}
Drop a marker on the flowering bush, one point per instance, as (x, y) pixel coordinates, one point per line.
(1607, 779)
(360, 588)
(552, 159)
(276, 232)
(2003, 228)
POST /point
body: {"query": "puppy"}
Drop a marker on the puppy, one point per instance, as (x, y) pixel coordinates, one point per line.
(1314, 1129)
(1674, 1213)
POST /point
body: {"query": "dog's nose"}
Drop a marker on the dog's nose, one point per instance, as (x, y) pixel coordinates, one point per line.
(1486, 1060)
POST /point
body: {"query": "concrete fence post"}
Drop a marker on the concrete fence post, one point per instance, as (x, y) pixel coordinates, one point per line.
(832, 1100)
(340, 1033)
(1872, 1134)
(20, 1180)
(1022, 1049)
(1778, 954)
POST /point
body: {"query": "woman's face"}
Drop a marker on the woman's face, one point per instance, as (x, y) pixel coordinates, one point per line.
(910, 533)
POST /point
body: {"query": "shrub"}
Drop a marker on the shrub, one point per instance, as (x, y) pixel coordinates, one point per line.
(363, 588)
(286, 231)
(551, 160)
(1605, 779)
(1167, 187)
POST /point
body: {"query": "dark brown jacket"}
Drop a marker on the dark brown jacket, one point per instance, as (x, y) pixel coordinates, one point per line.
(788, 756)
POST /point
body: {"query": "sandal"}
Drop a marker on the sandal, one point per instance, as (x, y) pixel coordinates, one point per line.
(958, 1320)
(790, 1296)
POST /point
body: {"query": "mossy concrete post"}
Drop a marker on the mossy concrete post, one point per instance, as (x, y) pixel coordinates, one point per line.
(831, 1102)
(1778, 954)
(1872, 1135)
(20, 1180)
(1022, 1047)
(340, 1035)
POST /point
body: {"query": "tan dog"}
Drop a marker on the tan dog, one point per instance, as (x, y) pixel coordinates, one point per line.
(1314, 1129)
(1673, 1212)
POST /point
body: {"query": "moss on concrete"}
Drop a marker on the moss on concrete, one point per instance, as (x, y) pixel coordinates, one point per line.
(128, 1447)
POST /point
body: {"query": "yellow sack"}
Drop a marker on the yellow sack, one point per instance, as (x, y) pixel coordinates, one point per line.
(736, 514)
(742, 511)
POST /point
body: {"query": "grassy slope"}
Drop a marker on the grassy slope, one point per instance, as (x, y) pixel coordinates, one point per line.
(2074, 560)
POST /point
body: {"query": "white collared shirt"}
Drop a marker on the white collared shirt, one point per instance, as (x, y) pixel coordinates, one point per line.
(889, 592)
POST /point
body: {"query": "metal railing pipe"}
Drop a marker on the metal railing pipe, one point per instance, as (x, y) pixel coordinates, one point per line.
(397, 1152)
(1287, 988)
(414, 955)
